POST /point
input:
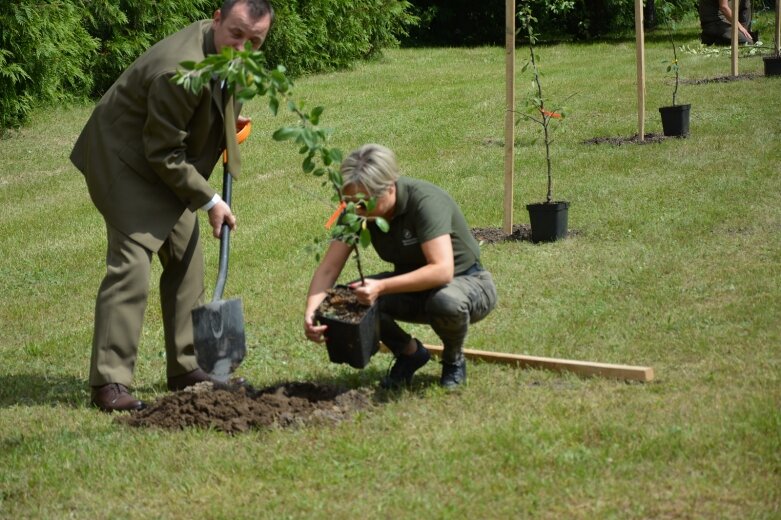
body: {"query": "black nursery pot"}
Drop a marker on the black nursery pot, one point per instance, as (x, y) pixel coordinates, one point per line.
(675, 120)
(352, 343)
(548, 220)
(772, 65)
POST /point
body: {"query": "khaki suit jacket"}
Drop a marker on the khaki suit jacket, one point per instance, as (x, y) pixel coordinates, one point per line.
(149, 146)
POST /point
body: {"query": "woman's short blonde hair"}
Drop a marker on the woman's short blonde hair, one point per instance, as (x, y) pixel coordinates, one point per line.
(371, 166)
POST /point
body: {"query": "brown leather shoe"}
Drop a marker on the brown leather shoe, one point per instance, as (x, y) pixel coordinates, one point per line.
(115, 396)
(183, 381)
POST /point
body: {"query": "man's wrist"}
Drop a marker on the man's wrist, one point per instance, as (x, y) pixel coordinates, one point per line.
(209, 205)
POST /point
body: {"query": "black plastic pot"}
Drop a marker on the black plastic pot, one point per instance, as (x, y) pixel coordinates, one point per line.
(675, 120)
(548, 220)
(349, 342)
(772, 65)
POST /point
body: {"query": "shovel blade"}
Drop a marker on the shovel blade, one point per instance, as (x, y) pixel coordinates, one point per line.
(218, 337)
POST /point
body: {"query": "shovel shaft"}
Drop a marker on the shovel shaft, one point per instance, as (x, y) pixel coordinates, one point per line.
(222, 274)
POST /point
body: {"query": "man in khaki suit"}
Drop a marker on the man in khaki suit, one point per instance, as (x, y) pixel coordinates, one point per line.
(146, 154)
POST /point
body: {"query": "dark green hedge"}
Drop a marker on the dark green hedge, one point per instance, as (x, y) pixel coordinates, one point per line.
(45, 56)
(316, 36)
(57, 50)
(469, 23)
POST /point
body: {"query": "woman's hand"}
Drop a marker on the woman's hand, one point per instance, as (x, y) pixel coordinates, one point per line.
(312, 331)
(368, 291)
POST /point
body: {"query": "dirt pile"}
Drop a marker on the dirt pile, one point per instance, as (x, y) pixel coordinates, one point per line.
(635, 139)
(236, 409)
(493, 235)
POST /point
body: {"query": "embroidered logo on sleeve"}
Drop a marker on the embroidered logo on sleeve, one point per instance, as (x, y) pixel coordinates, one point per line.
(407, 238)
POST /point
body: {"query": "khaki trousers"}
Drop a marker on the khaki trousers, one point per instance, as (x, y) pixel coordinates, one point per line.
(122, 299)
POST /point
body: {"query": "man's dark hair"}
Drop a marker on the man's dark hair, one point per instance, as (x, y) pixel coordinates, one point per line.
(257, 8)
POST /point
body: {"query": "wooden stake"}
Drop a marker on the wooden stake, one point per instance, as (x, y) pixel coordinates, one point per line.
(583, 368)
(778, 27)
(735, 21)
(509, 116)
(640, 46)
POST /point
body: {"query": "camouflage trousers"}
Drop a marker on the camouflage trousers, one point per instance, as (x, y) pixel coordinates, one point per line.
(449, 310)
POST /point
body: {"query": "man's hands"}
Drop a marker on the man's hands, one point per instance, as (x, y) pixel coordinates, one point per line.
(221, 214)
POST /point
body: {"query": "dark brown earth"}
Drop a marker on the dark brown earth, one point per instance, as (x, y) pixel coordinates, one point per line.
(635, 139)
(236, 409)
(521, 232)
(491, 235)
(720, 79)
(340, 304)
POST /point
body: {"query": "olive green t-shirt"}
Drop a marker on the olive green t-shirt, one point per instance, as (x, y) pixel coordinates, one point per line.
(423, 212)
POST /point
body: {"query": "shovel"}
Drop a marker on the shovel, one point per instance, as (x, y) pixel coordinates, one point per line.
(218, 326)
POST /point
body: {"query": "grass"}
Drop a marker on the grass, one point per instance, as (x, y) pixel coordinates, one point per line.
(676, 265)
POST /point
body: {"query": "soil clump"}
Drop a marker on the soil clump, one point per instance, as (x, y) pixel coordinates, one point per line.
(492, 235)
(241, 408)
(635, 139)
(720, 79)
(341, 304)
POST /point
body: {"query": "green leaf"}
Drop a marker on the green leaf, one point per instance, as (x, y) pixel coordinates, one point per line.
(308, 164)
(286, 133)
(349, 216)
(273, 104)
(314, 116)
(382, 224)
(366, 237)
(336, 155)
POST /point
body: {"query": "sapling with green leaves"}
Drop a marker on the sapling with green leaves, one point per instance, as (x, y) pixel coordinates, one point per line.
(535, 101)
(674, 65)
(243, 74)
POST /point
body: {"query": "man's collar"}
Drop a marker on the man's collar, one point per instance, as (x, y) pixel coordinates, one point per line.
(208, 41)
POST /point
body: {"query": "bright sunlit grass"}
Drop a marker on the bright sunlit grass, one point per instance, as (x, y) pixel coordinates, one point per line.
(676, 264)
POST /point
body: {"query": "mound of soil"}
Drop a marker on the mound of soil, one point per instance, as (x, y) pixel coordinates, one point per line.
(635, 139)
(237, 409)
(494, 235)
(720, 79)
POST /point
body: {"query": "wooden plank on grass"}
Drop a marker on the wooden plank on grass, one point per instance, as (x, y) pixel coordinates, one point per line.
(583, 368)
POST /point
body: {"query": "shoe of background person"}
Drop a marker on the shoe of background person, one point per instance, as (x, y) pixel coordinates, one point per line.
(453, 374)
(405, 367)
(115, 397)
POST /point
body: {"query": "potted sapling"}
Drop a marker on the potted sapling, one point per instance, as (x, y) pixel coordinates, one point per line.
(549, 218)
(773, 62)
(675, 118)
(353, 332)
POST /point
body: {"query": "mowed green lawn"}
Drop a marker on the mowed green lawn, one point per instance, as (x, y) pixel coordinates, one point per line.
(676, 264)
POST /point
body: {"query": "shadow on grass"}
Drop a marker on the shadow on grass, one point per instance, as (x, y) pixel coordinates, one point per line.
(42, 389)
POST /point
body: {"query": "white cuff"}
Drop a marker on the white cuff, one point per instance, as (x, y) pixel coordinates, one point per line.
(209, 205)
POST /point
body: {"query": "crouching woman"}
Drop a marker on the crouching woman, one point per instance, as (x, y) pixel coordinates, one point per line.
(437, 278)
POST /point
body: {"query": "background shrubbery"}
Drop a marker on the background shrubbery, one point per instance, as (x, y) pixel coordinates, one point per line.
(45, 56)
(59, 50)
(466, 22)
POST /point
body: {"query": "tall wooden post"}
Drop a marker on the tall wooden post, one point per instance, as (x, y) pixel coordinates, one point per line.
(778, 27)
(735, 22)
(640, 46)
(509, 116)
